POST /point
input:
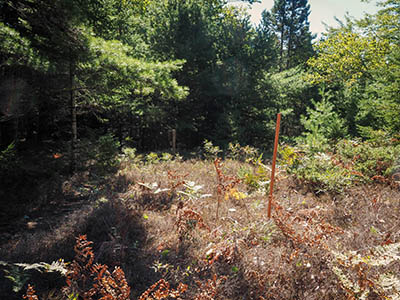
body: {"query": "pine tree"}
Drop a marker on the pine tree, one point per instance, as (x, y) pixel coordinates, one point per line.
(299, 47)
(265, 42)
(279, 26)
(289, 21)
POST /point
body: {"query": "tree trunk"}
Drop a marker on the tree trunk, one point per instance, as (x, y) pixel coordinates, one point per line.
(290, 35)
(289, 53)
(281, 47)
(74, 131)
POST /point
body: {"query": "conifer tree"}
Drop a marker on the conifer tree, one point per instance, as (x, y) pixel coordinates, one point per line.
(265, 42)
(289, 21)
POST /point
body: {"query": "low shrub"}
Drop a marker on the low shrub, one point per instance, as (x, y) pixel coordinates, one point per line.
(130, 156)
(347, 163)
(101, 155)
(256, 178)
(107, 151)
(242, 153)
(152, 158)
(368, 157)
(209, 151)
(322, 173)
(323, 125)
(10, 165)
(8, 159)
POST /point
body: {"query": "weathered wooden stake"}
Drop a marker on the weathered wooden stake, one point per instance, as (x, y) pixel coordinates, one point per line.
(271, 184)
(174, 141)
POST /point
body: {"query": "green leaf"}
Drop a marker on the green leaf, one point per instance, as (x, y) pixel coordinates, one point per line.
(165, 253)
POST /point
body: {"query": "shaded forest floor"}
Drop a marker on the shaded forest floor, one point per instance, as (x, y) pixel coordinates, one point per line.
(159, 221)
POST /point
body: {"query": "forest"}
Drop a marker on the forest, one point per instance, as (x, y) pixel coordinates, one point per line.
(136, 139)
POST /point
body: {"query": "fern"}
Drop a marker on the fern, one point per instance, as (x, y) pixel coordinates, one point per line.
(381, 255)
(355, 272)
(187, 220)
(352, 288)
(17, 276)
(19, 273)
(55, 266)
(390, 283)
(225, 183)
(161, 290)
(30, 294)
(89, 280)
(209, 289)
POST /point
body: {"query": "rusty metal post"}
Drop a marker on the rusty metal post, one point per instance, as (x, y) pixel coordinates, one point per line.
(271, 184)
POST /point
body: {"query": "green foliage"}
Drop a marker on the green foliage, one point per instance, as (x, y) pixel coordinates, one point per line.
(165, 156)
(360, 61)
(8, 158)
(322, 125)
(242, 153)
(120, 20)
(265, 43)
(289, 21)
(379, 137)
(346, 164)
(91, 56)
(370, 158)
(320, 172)
(130, 156)
(288, 156)
(347, 57)
(20, 273)
(18, 277)
(17, 50)
(124, 77)
(139, 91)
(192, 191)
(380, 104)
(257, 178)
(107, 150)
(210, 151)
(219, 46)
(285, 92)
(73, 296)
(152, 158)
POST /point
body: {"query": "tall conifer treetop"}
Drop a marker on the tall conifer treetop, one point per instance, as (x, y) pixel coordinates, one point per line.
(289, 21)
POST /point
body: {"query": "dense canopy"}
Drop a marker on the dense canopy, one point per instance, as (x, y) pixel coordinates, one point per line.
(135, 70)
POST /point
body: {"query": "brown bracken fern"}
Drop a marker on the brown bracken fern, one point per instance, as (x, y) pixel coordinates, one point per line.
(30, 293)
(187, 219)
(161, 290)
(176, 180)
(110, 285)
(89, 280)
(209, 289)
(314, 230)
(225, 183)
(79, 274)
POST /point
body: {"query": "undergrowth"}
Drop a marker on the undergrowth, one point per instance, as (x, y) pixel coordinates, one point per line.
(197, 229)
(345, 164)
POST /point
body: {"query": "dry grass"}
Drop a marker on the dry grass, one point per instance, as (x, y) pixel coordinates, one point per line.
(171, 242)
